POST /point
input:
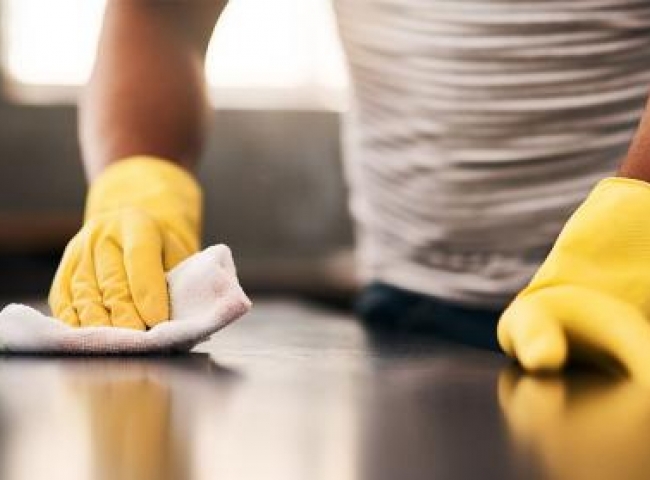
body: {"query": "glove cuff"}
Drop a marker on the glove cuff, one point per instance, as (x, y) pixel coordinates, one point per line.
(624, 183)
(605, 245)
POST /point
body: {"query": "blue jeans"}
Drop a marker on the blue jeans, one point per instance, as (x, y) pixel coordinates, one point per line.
(387, 308)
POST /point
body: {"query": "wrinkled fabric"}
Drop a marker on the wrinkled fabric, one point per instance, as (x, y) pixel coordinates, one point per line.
(477, 127)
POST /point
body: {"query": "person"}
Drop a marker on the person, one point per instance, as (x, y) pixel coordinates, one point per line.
(476, 129)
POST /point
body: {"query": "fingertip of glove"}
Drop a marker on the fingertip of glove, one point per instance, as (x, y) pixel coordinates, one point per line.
(153, 323)
(132, 323)
(154, 314)
(545, 353)
(152, 302)
(527, 333)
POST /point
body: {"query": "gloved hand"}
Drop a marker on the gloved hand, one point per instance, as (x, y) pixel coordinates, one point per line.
(142, 218)
(591, 298)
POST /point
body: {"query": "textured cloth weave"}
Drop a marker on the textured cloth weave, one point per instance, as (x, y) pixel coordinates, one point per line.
(205, 297)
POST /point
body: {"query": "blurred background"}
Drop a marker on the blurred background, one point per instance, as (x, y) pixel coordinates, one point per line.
(272, 167)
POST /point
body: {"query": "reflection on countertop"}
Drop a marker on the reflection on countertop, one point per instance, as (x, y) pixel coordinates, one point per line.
(295, 392)
(582, 426)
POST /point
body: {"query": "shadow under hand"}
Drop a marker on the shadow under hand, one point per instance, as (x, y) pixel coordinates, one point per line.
(579, 426)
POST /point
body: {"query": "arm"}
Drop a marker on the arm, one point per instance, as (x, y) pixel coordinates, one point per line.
(637, 162)
(142, 118)
(146, 94)
(590, 299)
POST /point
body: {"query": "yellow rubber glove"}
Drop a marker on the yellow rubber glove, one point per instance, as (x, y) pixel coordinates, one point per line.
(591, 298)
(142, 218)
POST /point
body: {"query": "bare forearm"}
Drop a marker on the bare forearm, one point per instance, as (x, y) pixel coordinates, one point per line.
(637, 161)
(146, 95)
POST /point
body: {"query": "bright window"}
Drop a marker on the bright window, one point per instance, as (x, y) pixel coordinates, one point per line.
(264, 54)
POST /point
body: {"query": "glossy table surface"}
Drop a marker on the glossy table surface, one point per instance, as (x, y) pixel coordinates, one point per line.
(297, 392)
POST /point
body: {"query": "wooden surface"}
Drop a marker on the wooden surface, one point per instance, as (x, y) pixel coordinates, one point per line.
(295, 392)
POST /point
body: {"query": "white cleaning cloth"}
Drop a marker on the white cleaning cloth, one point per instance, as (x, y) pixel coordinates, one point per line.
(205, 297)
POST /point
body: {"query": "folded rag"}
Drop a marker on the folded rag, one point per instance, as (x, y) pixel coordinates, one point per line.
(205, 297)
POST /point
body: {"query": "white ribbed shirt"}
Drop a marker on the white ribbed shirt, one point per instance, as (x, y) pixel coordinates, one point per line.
(478, 126)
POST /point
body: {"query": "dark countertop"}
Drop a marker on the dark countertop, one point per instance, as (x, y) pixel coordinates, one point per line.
(297, 392)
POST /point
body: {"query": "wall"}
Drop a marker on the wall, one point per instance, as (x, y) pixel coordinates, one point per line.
(274, 191)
